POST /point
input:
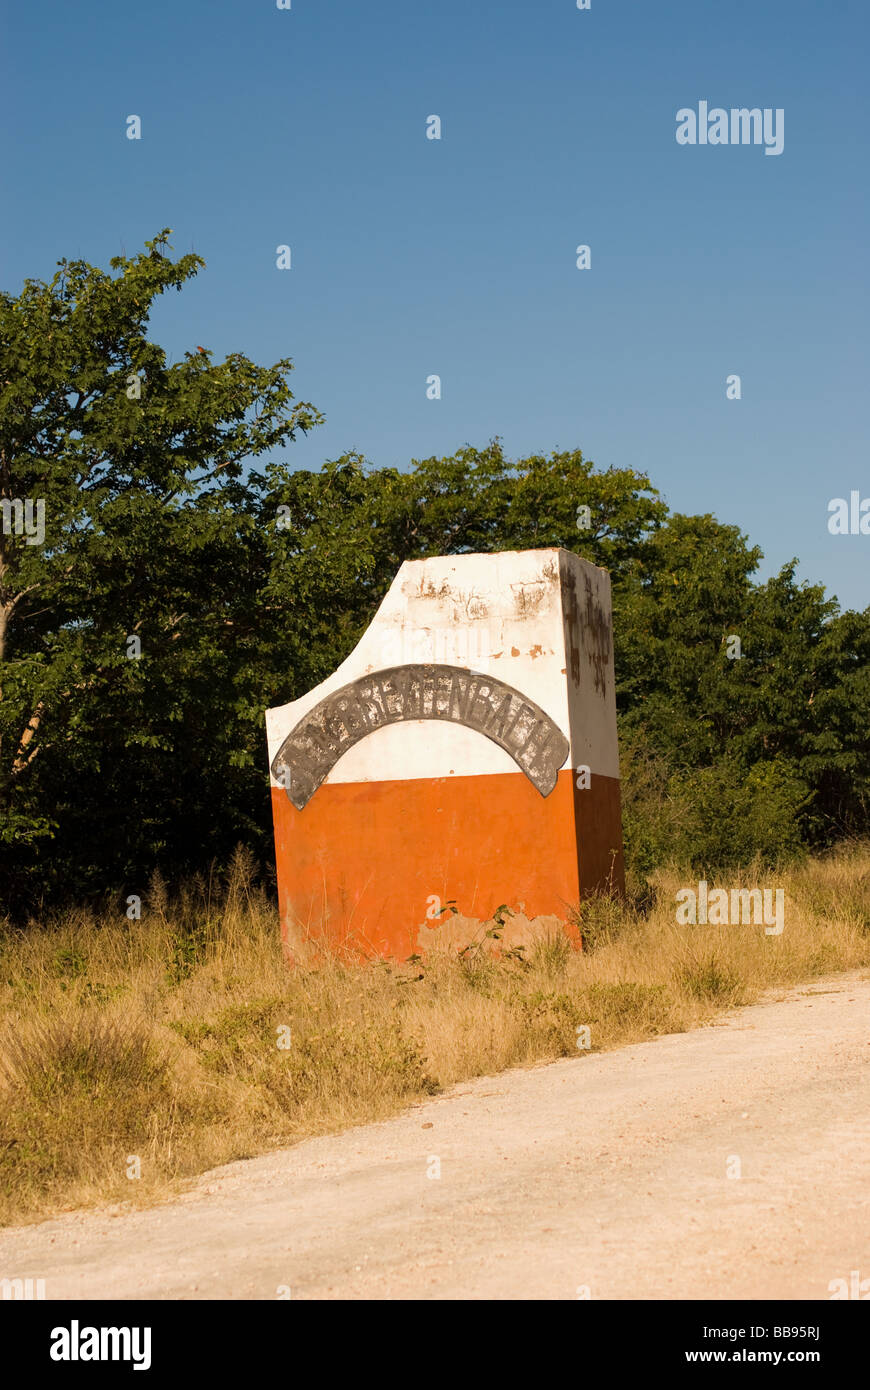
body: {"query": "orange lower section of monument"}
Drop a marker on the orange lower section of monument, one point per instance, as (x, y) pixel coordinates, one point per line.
(360, 865)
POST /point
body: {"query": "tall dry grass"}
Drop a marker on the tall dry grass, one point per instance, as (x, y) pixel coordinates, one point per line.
(167, 1045)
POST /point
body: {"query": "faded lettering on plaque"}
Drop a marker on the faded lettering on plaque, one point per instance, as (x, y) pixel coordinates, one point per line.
(519, 726)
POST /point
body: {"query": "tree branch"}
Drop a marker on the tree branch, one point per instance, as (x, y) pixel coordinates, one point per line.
(23, 759)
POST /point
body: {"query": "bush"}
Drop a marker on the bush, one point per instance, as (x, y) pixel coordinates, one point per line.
(709, 817)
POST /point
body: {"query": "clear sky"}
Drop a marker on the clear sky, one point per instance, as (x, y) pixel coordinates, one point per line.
(412, 257)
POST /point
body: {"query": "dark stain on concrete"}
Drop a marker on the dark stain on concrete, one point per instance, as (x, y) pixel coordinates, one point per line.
(587, 629)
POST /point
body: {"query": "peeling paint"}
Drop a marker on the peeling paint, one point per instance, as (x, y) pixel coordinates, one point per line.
(456, 933)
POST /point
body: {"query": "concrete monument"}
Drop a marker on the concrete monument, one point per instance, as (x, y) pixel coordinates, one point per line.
(462, 758)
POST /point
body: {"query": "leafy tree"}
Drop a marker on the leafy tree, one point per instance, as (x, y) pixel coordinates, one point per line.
(148, 527)
(776, 736)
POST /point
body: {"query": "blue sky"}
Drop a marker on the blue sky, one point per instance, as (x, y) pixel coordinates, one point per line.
(410, 257)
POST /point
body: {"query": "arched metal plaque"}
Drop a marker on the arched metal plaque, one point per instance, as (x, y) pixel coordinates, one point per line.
(519, 726)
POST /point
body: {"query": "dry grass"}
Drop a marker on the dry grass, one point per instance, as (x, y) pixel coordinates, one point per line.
(159, 1039)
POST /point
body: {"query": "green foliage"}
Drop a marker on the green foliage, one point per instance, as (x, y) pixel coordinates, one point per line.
(248, 584)
(109, 765)
(601, 919)
(711, 815)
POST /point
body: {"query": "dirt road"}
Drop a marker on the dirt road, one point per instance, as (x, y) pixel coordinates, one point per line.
(607, 1173)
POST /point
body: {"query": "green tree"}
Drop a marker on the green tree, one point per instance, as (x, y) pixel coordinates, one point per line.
(149, 528)
(757, 747)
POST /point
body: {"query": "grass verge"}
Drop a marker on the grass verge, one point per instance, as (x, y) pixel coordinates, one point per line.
(135, 1054)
